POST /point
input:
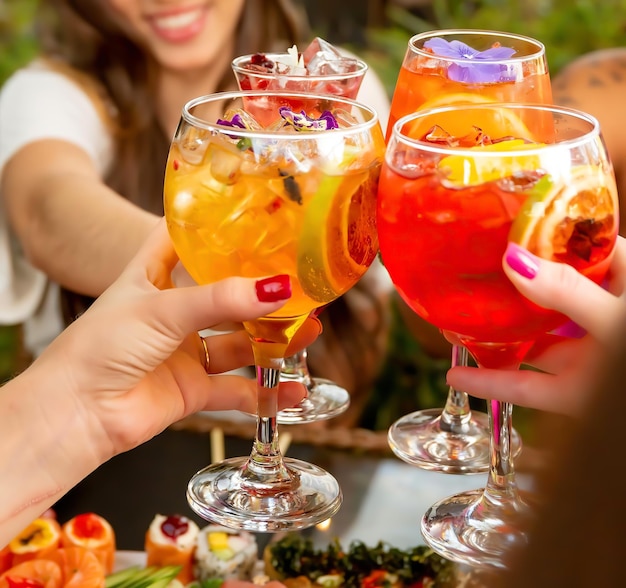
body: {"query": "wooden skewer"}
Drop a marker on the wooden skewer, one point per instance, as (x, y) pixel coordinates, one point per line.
(217, 445)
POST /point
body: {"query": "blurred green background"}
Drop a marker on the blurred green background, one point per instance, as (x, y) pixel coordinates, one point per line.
(378, 30)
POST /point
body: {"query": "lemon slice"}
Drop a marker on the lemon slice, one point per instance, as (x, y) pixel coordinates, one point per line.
(497, 123)
(464, 170)
(571, 219)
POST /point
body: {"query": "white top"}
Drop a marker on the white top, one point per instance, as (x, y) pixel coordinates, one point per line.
(39, 103)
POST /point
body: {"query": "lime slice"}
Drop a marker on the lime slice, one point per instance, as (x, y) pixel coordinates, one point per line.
(565, 219)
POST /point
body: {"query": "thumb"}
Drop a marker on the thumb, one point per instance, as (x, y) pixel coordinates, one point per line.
(558, 286)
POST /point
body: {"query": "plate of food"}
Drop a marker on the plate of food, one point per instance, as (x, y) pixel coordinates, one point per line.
(178, 553)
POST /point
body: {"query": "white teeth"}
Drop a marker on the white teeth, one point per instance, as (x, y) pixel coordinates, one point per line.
(177, 21)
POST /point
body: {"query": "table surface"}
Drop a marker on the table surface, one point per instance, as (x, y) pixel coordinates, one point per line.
(384, 498)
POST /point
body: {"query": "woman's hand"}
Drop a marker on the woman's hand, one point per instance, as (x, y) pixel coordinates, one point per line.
(568, 365)
(134, 363)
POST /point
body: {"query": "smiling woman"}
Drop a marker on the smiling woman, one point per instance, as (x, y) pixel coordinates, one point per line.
(84, 136)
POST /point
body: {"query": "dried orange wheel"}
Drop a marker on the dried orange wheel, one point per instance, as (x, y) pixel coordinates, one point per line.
(562, 217)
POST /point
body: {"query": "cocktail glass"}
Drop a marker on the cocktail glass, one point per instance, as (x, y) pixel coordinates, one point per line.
(253, 189)
(458, 67)
(458, 184)
(320, 69)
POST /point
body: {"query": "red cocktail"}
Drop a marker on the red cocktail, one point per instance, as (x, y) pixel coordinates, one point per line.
(448, 204)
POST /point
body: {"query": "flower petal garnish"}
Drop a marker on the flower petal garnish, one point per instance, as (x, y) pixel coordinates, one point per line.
(301, 122)
(235, 122)
(472, 66)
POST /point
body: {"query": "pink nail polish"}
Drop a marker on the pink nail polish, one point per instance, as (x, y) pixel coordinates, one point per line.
(274, 289)
(521, 261)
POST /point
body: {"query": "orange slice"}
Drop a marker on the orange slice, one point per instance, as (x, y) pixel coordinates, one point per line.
(571, 219)
(497, 123)
(40, 537)
(36, 573)
(338, 240)
(80, 567)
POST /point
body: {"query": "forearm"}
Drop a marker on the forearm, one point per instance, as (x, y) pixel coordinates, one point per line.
(70, 224)
(47, 447)
(84, 242)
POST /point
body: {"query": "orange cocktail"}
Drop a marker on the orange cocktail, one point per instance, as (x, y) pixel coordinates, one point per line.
(459, 66)
(254, 189)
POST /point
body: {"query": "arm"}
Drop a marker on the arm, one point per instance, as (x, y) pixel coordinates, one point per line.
(71, 225)
(55, 147)
(135, 351)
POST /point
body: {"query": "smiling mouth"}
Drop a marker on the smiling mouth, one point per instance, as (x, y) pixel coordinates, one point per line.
(179, 26)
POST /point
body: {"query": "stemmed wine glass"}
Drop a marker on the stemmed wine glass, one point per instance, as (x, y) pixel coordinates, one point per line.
(254, 189)
(320, 69)
(458, 67)
(458, 184)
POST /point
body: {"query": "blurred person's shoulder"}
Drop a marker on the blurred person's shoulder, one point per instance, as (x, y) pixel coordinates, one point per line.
(51, 79)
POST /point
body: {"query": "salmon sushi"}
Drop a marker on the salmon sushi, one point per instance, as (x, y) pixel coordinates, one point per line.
(38, 539)
(171, 541)
(95, 534)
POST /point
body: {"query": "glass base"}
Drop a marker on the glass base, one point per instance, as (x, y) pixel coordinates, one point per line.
(325, 400)
(466, 529)
(418, 439)
(218, 493)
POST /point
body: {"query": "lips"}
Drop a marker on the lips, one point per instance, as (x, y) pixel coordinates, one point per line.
(179, 26)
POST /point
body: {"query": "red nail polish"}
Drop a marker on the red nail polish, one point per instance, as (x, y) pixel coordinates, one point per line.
(274, 289)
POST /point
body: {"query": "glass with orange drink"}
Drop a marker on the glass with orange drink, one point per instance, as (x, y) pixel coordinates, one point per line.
(292, 196)
(461, 67)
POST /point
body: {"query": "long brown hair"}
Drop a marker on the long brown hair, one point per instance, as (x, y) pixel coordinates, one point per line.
(84, 38)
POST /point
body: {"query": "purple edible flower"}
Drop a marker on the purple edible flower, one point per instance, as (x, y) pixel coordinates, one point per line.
(235, 122)
(302, 122)
(478, 68)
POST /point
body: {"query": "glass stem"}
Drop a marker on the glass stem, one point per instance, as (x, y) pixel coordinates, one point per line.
(295, 368)
(501, 488)
(265, 467)
(456, 413)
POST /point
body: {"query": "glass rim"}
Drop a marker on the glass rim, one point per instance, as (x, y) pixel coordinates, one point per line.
(541, 49)
(238, 68)
(591, 134)
(199, 122)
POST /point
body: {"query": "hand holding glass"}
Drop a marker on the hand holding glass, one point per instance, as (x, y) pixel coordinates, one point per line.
(269, 191)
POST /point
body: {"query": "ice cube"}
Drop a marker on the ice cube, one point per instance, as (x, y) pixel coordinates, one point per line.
(344, 118)
(225, 163)
(241, 119)
(322, 59)
(192, 144)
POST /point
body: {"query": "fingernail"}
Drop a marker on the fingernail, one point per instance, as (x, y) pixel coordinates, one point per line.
(274, 289)
(521, 261)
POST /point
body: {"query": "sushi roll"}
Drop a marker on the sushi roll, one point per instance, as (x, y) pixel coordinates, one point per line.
(225, 553)
(95, 534)
(40, 538)
(171, 541)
